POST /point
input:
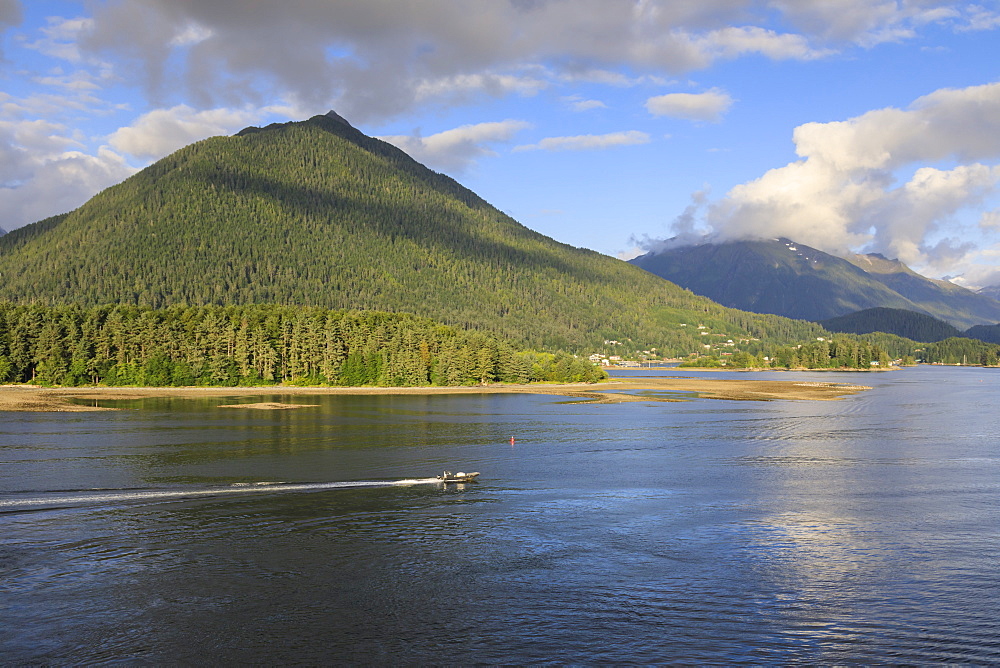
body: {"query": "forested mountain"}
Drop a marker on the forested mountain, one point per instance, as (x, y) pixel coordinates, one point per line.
(988, 333)
(315, 213)
(782, 277)
(907, 324)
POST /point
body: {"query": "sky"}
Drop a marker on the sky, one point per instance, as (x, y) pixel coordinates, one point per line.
(622, 126)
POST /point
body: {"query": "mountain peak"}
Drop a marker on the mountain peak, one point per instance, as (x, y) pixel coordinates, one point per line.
(876, 263)
(337, 117)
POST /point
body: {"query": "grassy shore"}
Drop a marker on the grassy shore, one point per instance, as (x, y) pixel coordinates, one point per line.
(51, 399)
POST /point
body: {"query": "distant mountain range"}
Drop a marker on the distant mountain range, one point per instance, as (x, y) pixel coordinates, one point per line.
(316, 213)
(786, 278)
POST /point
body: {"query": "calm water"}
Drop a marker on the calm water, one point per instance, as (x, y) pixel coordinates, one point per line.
(862, 530)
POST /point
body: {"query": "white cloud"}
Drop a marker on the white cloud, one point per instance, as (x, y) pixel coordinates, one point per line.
(577, 103)
(707, 106)
(61, 184)
(77, 81)
(982, 270)
(39, 177)
(377, 59)
(191, 34)
(733, 42)
(981, 18)
(631, 253)
(61, 38)
(842, 193)
(46, 169)
(588, 142)
(462, 86)
(455, 150)
(612, 78)
(908, 215)
(162, 131)
(990, 219)
(50, 105)
(865, 22)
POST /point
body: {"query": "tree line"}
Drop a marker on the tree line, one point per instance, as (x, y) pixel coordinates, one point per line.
(838, 353)
(260, 345)
(858, 352)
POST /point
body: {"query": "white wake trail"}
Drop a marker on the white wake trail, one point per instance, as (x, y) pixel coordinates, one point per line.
(98, 497)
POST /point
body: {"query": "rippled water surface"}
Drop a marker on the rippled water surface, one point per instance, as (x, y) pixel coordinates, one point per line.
(861, 530)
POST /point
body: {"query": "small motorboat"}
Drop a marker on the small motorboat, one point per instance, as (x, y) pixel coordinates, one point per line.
(461, 476)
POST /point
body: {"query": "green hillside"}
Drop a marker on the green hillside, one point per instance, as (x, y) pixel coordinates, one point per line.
(315, 213)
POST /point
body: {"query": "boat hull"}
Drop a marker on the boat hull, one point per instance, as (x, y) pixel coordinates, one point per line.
(447, 477)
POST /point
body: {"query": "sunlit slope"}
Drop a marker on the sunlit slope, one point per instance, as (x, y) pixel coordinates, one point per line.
(317, 213)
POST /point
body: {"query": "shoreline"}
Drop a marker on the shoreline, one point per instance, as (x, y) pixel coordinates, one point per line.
(31, 398)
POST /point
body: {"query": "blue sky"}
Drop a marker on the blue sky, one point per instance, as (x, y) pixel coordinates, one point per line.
(849, 125)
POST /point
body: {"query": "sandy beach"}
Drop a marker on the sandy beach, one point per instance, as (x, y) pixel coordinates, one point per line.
(77, 399)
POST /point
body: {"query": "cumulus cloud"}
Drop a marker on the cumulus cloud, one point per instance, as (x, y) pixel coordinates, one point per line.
(867, 22)
(588, 142)
(732, 42)
(984, 272)
(707, 106)
(610, 78)
(577, 103)
(42, 173)
(464, 86)
(455, 150)
(163, 131)
(60, 38)
(981, 18)
(376, 59)
(843, 193)
(990, 219)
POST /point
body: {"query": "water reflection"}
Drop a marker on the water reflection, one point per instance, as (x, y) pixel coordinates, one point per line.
(705, 531)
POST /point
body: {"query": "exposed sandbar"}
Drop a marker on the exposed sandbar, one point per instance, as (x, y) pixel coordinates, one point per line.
(268, 406)
(47, 399)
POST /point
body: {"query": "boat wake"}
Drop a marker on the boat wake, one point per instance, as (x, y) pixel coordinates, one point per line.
(105, 496)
